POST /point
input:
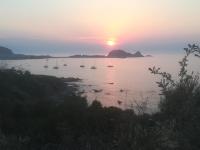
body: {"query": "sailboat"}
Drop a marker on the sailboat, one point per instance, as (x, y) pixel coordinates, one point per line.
(82, 66)
(110, 66)
(93, 67)
(56, 67)
(46, 65)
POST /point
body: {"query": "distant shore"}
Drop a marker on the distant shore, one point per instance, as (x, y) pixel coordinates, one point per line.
(7, 54)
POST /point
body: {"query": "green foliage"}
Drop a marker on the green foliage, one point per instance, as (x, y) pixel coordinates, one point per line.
(180, 106)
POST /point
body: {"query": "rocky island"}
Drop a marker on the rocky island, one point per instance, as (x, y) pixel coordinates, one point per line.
(123, 54)
(111, 54)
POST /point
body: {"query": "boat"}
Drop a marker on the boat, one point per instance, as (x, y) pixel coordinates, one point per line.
(110, 66)
(119, 102)
(107, 93)
(45, 66)
(55, 67)
(65, 65)
(111, 83)
(93, 67)
(82, 66)
(97, 91)
(121, 90)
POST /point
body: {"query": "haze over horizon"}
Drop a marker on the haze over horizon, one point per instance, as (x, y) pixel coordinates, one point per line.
(85, 27)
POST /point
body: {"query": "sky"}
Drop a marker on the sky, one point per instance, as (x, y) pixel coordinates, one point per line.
(85, 26)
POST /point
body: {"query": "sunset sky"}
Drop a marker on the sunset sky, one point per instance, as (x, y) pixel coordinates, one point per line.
(87, 26)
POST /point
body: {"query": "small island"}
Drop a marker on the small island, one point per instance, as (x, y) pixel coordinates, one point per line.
(111, 54)
(123, 54)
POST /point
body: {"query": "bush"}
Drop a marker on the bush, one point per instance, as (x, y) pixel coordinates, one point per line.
(180, 106)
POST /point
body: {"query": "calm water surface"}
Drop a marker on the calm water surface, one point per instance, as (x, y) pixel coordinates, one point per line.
(127, 83)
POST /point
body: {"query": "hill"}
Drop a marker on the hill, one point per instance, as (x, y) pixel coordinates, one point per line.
(6, 53)
(112, 54)
(123, 54)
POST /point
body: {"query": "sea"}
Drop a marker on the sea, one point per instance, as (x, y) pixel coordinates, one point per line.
(121, 82)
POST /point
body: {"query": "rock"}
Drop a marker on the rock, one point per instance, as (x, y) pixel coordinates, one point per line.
(123, 54)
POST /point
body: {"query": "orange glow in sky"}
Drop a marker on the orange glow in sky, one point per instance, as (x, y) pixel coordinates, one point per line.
(110, 23)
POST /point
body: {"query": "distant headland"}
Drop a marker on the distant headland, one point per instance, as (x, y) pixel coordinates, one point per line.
(6, 54)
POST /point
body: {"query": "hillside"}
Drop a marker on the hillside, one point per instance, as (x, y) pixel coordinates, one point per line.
(6, 53)
(123, 54)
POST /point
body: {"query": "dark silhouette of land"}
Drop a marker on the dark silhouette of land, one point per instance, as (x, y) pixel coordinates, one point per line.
(7, 54)
(123, 54)
(111, 54)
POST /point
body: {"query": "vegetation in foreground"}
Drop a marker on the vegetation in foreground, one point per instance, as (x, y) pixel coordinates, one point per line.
(43, 113)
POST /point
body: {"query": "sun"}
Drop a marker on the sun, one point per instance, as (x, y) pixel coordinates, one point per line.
(111, 43)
